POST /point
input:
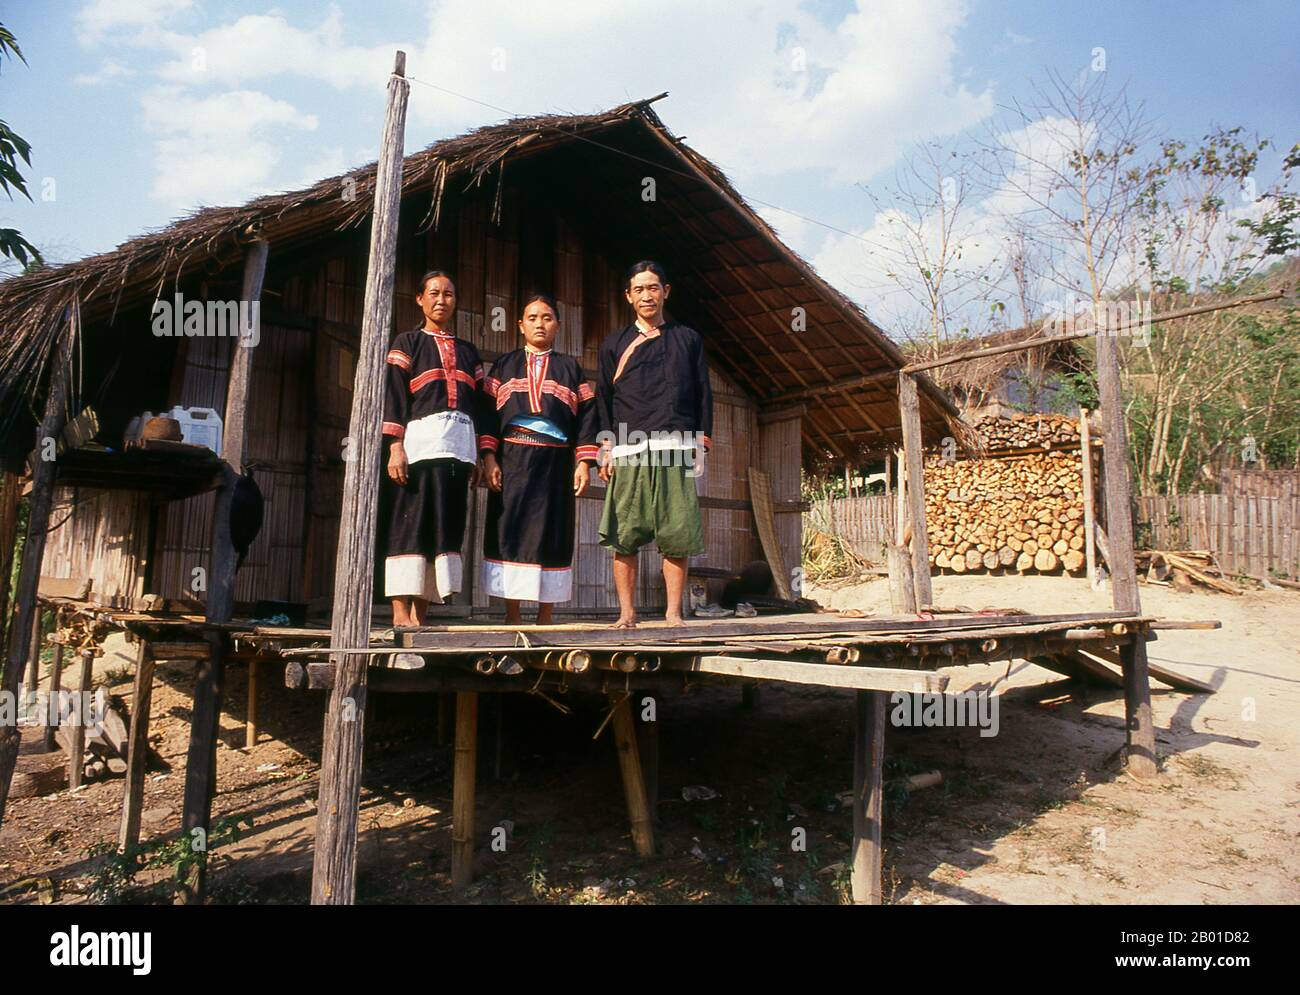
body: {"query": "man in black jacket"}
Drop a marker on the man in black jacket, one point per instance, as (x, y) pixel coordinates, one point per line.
(656, 411)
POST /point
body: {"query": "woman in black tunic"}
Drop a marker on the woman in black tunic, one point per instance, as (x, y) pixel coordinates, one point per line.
(537, 462)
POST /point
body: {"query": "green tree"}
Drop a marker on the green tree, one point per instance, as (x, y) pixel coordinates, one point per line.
(12, 147)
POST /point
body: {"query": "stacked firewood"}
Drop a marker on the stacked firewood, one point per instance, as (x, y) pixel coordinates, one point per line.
(105, 749)
(1022, 513)
(1021, 431)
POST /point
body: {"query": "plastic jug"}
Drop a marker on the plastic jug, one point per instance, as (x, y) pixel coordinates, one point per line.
(199, 426)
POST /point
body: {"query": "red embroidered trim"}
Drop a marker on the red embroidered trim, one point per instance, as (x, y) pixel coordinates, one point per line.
(398, 358)
(488, 442)
(394, 429)
(428, 376)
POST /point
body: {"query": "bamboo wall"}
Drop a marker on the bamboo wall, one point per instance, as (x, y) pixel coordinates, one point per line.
(102, 535)
(867, 523)
(1248, 534)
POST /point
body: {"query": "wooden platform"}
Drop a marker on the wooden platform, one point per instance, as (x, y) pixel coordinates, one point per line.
(872, 656)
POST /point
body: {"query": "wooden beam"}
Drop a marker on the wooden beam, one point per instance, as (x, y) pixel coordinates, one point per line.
(38, 523)
(250, 721)
(464, 775)
(1089, 497)
(137, 753)
(1173, 678)
(1047, 340)
(1141, 734)
(868, 796)
(209, 677)
(33, 678)
(844, 383)
(335, 861)
(823, 674)
(910, 414)
(629, 765)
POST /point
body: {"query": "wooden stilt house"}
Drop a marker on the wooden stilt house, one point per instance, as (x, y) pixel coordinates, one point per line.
(558, 204)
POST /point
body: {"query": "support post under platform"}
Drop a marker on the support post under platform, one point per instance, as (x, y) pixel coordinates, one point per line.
(463, 788)
(629, 763)
(868, 780)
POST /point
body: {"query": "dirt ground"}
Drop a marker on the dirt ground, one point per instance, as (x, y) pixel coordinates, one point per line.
(1040, 813)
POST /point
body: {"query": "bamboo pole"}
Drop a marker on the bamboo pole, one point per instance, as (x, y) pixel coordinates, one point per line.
(634, 789)
(38, 522)
(1141, 736)
(465, 770)
(210, 672)
(335, 860)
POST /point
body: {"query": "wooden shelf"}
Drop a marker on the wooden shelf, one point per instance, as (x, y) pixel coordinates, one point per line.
(167, 470)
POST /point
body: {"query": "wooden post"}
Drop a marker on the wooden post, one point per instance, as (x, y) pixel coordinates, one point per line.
(38, 522)
(647, 741)
(33, 679)
(629, 764)
(900, 503)
(464, 774)
(902, 584)
(80, 716)
(910, 414)
(868, 780)
(11, 493)
(209, 677)
(52, 710)
(335, 862)
(137, 750)
(1121, 560)
(1089, 497)
(250, 723)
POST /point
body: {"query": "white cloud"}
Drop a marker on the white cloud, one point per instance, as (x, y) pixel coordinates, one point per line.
(100, 17)
(110, 71)
(774, 92)
(262, 46)
(219, 149)
(764, 93)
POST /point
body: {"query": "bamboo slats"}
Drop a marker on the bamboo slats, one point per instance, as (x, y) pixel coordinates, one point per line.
(1249, 534)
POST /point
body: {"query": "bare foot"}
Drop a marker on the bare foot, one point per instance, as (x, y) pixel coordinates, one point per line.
(673, 621)
(625, 622)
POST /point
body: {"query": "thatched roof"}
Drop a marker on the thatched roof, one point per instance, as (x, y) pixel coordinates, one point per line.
(721, 251)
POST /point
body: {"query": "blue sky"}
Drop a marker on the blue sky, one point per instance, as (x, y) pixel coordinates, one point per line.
(140, 110)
